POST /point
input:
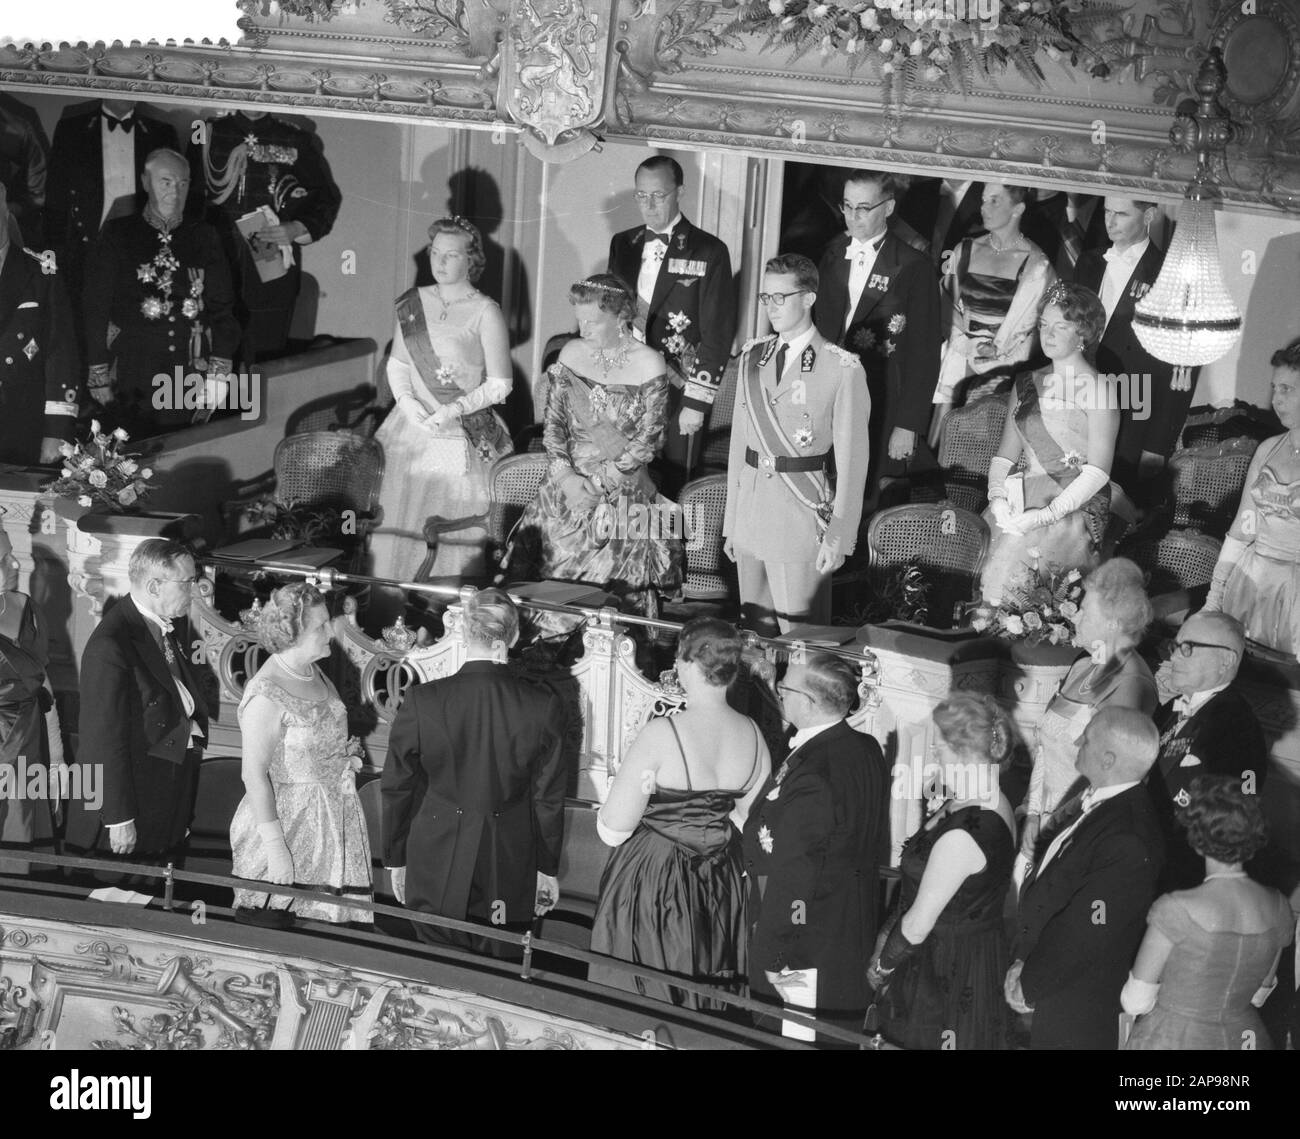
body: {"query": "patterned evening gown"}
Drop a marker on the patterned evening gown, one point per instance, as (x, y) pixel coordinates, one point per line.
(1208, 981)
(949, 993)
(316, 801)
(427, 474)
(595, 545)
(1054, 445)
(23, 821)
(1263, 590)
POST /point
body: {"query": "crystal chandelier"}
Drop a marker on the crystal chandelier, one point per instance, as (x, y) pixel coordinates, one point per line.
(1188, 318)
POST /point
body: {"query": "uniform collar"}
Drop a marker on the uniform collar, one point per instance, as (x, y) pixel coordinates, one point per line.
(800, 342)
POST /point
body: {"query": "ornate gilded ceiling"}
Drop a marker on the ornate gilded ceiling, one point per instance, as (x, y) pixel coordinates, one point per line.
(564, 73)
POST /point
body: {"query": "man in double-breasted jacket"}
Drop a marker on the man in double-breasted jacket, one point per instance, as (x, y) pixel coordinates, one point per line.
(39, 370)
(879, 298)
(686, 307)
(802, 410)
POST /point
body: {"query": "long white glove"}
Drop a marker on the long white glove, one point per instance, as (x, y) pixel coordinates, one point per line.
(1089, 481)
(999, 468)
(1138, 997)
(279, 862)
(492, 390)
(1233, 551)
(1263, 992)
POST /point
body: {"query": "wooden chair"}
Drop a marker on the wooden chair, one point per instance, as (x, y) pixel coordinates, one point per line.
(704, 502)
(330, 468)
(968, 440)
(948, 545)
(1180, 560)
(1206, 484)
(513, 483)
(1206, 426)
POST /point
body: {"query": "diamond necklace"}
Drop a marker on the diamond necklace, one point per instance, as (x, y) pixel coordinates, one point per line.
(614, 356)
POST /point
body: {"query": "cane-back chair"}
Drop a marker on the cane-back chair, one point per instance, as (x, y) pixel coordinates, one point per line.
(1207, 483)
(968, 440)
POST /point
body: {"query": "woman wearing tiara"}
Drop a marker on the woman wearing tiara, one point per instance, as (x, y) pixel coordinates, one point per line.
(1060, 431)
(597, 517)
(449, 365)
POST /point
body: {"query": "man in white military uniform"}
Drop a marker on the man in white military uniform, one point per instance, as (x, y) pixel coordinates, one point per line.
(802, 410)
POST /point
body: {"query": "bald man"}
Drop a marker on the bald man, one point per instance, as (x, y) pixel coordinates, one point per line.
(162, 280)
(1206, 728)
(1084, 905)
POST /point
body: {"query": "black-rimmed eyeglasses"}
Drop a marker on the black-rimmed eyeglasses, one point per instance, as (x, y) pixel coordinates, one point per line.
(777, 299)
(1186, 648)
(863, 209)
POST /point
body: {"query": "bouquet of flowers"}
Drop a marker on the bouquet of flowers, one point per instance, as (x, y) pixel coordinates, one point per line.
(310, 522)
(1042, 611)
(900, 597)
(100, 470)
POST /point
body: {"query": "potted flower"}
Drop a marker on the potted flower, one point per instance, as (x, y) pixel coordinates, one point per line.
(1036, 619)
(101, 474)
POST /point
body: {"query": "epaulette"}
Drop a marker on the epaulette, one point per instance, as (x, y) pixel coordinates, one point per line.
(756, 341)
(40, 257)
(847, 358)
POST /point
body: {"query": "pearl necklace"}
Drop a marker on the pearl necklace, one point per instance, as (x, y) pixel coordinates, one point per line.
(614, 356)
(1018, 245)
(310, 674)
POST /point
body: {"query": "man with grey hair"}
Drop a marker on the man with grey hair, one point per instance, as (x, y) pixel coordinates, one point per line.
(38, 353)
(143, 718)
(1084, 903)
(814, 841)
(162, 280)
(1206, 728)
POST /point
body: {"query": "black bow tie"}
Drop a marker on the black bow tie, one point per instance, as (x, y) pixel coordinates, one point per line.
(126, 124)
(651, 237)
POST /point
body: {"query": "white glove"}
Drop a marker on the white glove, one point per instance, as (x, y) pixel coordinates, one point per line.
(1089, 481)
(999, 469)
(1232, 552)
(548, 894)
(1264, 992)
(1138, 997)
(413, 408)
(279, 862)
(398, 876)
(447, 414)
(1002, 516)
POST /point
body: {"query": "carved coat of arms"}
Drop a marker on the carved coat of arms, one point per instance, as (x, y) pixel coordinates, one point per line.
(553, 66)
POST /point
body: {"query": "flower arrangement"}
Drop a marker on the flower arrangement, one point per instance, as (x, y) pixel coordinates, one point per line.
(903, 596)
(309, 522)
(99, 470)
(1043, 611)
(937, 41)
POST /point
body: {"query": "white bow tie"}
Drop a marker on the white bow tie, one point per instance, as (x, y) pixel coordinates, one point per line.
(858, 249)
(1087, 801)
(1125, 257)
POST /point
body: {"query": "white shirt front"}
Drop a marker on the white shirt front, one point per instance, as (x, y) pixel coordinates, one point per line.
(1092, 798)
(118, 149)
(861, 256)
(652, 259)
(1190, 705)
(1120, 264)
(792, 352)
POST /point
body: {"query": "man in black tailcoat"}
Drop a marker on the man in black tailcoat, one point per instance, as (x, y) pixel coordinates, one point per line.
(143, 717)
(1084, 904)
(814, 841)
(879, 298)
(686, 308)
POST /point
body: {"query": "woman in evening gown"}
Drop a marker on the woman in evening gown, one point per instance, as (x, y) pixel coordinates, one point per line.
(1210, 955)
(300, 822)
(942, 957)
(1061, 427)
(1109, 673)
(29, 722)
(1257, 578)
(997, 283)
(449, 367)
(597, 517)
(672, 896)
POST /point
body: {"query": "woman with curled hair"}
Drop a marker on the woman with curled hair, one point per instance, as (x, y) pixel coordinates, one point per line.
(1257, 577)
(941, 959)
(1049, 483)
(473, 788)
(449, 368)
(597, 517)
(1108, 672)
(300, 822)
(672, 895)
(1209, 958)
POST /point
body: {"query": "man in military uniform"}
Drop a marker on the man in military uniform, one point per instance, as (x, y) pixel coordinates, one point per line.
(880, 300)
(158, 297)
(250, 160)
(686, 307)
(38, 354)
(802, 410)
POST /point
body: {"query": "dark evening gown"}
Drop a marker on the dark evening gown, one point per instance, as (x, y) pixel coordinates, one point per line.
(949, 994)
(672, 897)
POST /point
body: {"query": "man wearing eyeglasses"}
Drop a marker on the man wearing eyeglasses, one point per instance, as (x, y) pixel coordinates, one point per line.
(686, 308)
(143, 717)
(802, 411)
(1206, 728)
(880, 300)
